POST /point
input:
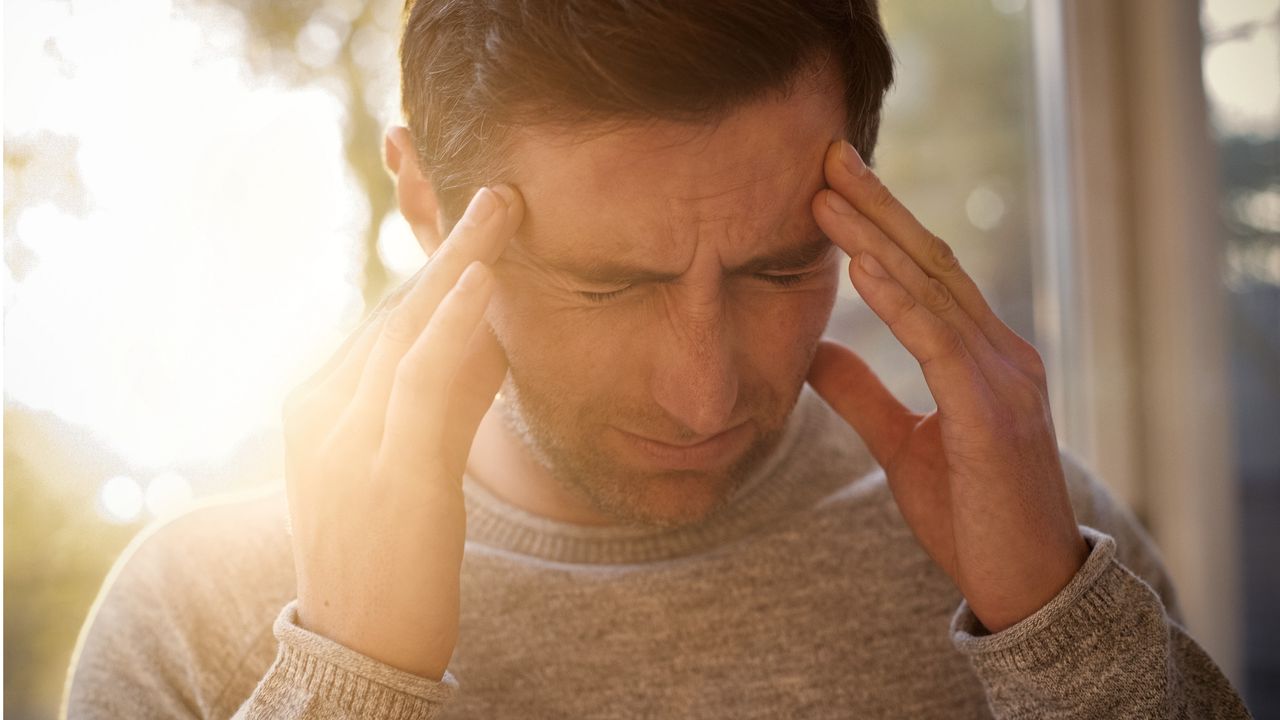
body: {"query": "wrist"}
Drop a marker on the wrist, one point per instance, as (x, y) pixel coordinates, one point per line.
(1044, 581)
(421, 647)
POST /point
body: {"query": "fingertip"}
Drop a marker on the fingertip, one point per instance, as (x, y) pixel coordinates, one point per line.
(508, 194)
(831, 161)
(512, 199)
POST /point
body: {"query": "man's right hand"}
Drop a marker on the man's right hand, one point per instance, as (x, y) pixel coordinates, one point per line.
(376, 444)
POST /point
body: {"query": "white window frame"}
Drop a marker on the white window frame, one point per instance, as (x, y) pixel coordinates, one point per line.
(1130, 306)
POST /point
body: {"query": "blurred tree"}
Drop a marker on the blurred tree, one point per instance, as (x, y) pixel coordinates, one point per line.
(57, 549)
(333, 44)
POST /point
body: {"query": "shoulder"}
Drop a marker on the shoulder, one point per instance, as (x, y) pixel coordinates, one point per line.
(230, 547)
(190, 601)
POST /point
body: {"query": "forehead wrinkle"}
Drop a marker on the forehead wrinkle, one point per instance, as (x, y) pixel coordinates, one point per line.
(766, 210)
(801, 251)
(772, 241)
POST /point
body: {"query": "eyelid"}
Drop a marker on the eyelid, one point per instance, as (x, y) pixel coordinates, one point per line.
(605, 295)
(790, 272)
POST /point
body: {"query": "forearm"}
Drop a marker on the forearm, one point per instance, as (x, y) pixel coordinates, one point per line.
(1103, 648)
(314, 678)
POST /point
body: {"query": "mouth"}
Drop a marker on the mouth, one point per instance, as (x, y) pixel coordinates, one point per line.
(711, 452)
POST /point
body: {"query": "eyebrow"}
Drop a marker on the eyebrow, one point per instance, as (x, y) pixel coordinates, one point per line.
(603, 271)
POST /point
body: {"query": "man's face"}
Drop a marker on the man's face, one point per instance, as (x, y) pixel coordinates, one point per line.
(662, 301)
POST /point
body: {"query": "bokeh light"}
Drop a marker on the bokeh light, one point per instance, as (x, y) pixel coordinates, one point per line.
(120, 500)
(167, 494)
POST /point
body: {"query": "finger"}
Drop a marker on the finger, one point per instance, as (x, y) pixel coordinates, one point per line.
(312, 404)
(849, 176)
(416, 411)
(472, 394)
(479, 236)
(854, 233)
(342, 381)
(355, 347)
(958, 386)
(852, 389)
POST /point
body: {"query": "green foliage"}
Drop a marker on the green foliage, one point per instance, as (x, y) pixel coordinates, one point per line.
(57, 551)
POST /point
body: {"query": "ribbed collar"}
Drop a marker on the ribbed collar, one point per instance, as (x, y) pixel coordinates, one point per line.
(785, 482)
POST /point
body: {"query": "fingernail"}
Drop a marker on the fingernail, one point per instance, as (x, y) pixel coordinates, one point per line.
(852, 160)
(474, 277)
(838, 204)
(506, 193)
(484, 204)
(871, 265)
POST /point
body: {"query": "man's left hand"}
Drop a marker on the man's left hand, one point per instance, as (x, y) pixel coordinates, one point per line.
(979, 480)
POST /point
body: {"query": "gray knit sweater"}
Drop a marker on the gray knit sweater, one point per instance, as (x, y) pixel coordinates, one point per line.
(806, 597)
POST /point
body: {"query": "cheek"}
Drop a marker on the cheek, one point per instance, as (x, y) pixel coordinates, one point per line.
(545, 338)
(780, 331)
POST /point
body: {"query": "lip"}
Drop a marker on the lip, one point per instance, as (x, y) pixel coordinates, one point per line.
(709, 453)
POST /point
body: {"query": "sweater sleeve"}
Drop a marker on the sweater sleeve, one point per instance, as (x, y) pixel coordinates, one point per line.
(317, 679)
(1104, 647)
(183, 628)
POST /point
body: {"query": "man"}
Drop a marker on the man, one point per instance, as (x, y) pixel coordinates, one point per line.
(654, 517)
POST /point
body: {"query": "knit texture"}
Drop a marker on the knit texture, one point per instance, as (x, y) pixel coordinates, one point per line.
(807, 596)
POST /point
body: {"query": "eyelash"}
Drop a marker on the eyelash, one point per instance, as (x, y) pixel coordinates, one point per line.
(779, 280)
(599, 297)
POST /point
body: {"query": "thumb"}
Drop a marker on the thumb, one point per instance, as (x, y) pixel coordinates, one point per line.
(852, 389)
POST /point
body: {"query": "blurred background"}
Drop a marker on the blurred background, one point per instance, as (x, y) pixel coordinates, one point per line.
(195, 213)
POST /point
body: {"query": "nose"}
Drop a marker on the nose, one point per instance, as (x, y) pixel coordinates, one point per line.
(694, 379)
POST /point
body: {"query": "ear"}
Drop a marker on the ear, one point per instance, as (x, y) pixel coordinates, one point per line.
(414, 191)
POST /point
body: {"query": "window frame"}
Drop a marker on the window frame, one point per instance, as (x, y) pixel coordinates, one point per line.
(1131, 311)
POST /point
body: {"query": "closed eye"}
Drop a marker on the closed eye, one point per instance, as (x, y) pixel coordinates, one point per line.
(784, 280)
(599, 297)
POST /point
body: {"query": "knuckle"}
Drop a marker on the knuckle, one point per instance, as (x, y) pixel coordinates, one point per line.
(951, 345)
(938, 297)
(414, 376)
(401, 325)
(1034, 366)
(407, 377)
(1028, 355)
(905, 305)
(941, 256)
(1026, 399)
(882, 197)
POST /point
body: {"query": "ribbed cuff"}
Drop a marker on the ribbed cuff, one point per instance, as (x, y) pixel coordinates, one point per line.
(1094, 601)
(354, 683)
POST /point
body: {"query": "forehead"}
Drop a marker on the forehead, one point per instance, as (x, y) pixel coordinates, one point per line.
(653, 191)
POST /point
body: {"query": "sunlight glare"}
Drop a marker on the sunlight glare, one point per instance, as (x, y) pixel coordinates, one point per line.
(218, 253)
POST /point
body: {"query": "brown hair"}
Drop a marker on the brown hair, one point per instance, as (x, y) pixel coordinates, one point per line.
(472, 70)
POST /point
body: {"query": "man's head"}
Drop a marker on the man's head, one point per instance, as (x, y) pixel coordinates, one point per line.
(473, 71)
(662, 301)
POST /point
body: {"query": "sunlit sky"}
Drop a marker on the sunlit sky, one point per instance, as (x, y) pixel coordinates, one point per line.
(211, 257)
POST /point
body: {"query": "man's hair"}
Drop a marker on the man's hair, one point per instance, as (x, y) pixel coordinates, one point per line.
(474, 70)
